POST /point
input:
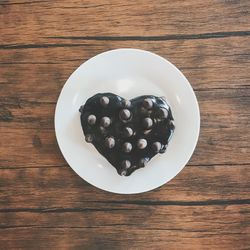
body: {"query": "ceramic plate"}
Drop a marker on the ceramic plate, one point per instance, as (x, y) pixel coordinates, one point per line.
(128, 73)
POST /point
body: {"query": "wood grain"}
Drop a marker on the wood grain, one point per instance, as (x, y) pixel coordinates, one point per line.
(44, 204)
(208, 64)
(39, 189)
(117, 18)
(155, 227)
(120, 238)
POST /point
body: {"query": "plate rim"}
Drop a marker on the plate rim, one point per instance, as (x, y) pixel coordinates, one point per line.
(198, 120)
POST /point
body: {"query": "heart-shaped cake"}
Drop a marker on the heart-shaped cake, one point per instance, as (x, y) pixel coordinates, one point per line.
(128, 133)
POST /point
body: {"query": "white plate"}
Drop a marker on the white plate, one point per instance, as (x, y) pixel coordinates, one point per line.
(128, 73)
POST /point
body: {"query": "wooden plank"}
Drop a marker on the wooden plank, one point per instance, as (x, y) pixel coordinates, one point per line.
(212, 227)
(29, 147)
(223, 131)
(15, 112)
(120, 239)
(59, 188)
(180, 218)
(118, 18)
(40, 73)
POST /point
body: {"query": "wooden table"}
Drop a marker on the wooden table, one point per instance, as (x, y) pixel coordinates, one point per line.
(45, 205)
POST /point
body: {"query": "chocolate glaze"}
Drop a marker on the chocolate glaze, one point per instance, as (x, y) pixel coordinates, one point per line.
(160, 131)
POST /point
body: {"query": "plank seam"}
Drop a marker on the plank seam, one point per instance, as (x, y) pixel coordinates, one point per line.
(156, 38)
(124, 38)
(66, 166)
(128, 202)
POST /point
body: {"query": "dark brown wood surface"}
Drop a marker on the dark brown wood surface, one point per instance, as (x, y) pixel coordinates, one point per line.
(44, 204)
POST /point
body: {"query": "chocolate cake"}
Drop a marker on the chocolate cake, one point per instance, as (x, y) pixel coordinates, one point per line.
(128, 133)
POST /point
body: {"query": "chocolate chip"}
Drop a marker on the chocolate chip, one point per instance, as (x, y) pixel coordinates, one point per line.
(163, 113)
(148, 103)
(142, 143)
(156, 146)
(109, 142)
(127, 147)
(126, 103)
(126, 164)
(147, 123)
(171, 125)
(125, 114)
(104, 101)
(88, 138)
(127, 132)
(91, 119)
(143, 162)
(123, 173)
(163, 149)
(105, 121)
